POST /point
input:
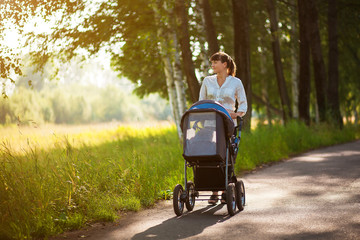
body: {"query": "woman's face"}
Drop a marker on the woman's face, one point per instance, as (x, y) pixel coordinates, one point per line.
(218, 66)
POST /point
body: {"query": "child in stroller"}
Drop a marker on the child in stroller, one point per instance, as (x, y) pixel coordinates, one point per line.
(210, 148)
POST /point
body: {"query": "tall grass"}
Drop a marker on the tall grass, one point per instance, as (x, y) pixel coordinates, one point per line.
(46, 191)
(267, 144)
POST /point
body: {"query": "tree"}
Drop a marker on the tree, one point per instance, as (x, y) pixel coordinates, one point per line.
(265, 96)
(130, 32)
(210, 30)
(174, 84)
(349, 58)
(294, 61)
(285, 101)
(197, 30)
(304, 83)
(149, 60)
(317, 57)
(265, 86)
(17, 12)
(333, 68)
(242, 51)
(188, 65)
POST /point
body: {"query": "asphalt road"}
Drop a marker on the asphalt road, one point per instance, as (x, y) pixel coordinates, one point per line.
(315, 195)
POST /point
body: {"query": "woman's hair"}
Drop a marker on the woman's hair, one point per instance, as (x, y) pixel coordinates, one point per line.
(223, 57)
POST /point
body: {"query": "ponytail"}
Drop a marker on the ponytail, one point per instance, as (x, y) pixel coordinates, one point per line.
(232, 67)
(223, 57)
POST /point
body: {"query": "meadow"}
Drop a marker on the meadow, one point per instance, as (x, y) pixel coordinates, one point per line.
(57, 180)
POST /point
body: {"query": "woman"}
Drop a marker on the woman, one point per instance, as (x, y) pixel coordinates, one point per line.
(224, 88)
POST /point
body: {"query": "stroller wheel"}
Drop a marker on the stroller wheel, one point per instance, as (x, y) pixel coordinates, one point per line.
(190, 198)
(240, 195)
(178, 203)
(231, 199)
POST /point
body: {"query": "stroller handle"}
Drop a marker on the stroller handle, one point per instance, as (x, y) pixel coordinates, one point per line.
(240, 121)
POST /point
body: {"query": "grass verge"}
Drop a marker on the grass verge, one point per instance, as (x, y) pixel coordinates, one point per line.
(267, 144)
(45, 192)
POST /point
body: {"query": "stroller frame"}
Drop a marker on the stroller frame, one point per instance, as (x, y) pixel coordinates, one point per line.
(234, 190)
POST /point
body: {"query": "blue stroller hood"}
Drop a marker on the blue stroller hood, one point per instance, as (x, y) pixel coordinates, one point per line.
(210, 105)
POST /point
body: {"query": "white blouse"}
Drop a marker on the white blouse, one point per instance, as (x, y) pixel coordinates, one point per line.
(226, 95)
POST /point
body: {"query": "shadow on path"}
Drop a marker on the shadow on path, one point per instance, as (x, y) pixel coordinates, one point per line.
(187, 225)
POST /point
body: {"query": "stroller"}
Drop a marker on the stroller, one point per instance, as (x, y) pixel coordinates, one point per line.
(210, 147)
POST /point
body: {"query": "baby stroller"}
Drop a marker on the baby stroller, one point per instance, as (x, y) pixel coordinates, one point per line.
(210, 147)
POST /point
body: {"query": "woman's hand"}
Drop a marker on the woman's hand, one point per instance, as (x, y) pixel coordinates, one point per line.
(234, 115)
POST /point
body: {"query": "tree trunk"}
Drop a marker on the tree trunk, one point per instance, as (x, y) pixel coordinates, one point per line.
(294, 64)
(211, 36)
(304, 79)
(317, 58)
(285, 101)
(264, 84)
(242, 51)
(188, 65)
(165, 52)
(178, 77)
(356, 116)
(205, 66)
(316, 109)
(170, 83)
(204, 54)
(333, 84)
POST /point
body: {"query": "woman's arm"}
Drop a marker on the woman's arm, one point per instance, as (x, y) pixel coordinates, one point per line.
(241, 98)
(234, 115)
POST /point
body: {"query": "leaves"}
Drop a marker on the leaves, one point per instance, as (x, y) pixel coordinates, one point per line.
(127, 29)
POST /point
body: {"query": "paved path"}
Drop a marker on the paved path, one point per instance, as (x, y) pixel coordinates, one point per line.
(312, 196)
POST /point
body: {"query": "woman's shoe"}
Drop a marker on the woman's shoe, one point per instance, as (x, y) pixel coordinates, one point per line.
(223, 200)
(213, 199)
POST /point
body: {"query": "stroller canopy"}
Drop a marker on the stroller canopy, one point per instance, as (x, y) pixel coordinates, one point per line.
(211, 106)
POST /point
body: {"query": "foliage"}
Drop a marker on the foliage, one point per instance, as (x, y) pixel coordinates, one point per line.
(128, 31)
(16, 13)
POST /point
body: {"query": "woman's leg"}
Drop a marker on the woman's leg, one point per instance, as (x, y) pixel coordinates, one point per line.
(223, 201)
(214, 198)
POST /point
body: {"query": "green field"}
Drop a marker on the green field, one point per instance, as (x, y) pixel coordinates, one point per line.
(51, 182)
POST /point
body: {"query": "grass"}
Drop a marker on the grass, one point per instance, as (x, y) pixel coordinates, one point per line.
(267, 144)
(70, 180)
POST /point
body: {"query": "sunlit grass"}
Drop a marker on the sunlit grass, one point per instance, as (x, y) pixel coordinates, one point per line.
(22, 138)
(89, 176)
(59, 183)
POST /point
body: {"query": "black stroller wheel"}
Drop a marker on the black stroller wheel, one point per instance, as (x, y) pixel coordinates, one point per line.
(240, 195)
(190, 198)
(231, 199)
(178, 203)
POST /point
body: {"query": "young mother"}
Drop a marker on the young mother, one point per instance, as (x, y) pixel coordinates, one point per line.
(224, 88)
